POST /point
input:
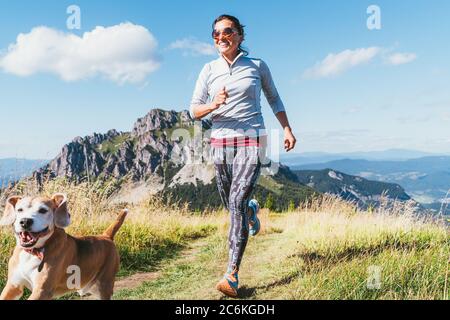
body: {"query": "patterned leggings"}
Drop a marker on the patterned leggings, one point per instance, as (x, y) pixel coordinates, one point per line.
(237, 170)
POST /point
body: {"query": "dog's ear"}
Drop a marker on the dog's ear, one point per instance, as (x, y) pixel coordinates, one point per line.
(61, 215)
(9, 216)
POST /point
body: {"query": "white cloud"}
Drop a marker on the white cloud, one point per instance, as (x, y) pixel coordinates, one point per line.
(124, 53)
(337, 63)
(191, 46)
(396, 59)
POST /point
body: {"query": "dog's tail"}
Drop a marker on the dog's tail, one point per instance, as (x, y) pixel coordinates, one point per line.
(115, 226)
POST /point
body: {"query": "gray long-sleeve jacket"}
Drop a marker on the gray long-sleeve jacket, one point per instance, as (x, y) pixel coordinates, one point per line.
(243, 80)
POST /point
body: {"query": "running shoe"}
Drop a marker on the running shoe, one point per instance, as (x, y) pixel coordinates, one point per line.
(229, 284)
(254, 223)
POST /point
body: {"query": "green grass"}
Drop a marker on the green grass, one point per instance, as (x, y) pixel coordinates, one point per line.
(270, 184)
(169, 131)
(323, 251)
(7, 243)
(141, 247)
(317, 256)
(113, 145)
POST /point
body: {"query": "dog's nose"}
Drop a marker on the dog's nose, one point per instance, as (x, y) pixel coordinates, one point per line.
(26, 223)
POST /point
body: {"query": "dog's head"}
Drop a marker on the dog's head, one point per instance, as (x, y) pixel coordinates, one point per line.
(35, 219)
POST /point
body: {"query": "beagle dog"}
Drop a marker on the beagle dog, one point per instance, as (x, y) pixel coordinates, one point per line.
(50, 262)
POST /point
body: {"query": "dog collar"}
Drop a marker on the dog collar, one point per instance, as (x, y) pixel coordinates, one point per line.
(38, 252)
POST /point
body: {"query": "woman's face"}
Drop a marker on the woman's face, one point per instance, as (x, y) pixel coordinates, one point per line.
(227, 45)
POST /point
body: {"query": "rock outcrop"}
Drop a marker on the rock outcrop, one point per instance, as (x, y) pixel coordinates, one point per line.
(153, 148)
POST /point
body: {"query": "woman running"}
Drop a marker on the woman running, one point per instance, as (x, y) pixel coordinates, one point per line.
(229, 88)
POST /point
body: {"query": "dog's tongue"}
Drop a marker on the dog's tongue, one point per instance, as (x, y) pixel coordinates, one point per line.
(26, 237)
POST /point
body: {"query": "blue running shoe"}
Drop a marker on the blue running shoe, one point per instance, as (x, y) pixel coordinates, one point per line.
(229, 284)
(254, 223)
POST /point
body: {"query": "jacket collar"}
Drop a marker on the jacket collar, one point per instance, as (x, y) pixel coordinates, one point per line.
(235, 59)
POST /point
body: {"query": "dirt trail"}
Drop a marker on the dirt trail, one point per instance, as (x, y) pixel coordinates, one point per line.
(135, 280)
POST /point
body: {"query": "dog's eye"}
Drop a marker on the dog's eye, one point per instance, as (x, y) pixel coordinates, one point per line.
(43, 211)
(20, 210)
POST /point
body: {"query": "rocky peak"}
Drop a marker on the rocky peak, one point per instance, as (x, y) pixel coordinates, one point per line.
(146, 151)
(158, 119)
(96, 138)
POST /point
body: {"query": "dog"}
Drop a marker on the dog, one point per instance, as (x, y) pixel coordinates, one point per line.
(48, 261)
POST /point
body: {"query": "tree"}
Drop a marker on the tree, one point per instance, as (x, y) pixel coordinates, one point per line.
(291, 206)
(269, 202)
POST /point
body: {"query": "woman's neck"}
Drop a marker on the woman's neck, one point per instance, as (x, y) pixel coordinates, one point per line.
(230, 57)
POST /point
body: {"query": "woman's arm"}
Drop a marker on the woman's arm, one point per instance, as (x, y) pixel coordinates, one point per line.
(271, 93)
(202, 110)
(289, 138)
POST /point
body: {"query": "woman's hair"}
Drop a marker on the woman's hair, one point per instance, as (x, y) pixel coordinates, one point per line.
(237, 24)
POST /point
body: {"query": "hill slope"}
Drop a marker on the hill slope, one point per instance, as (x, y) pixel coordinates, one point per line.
(426, 179)
(362, 191)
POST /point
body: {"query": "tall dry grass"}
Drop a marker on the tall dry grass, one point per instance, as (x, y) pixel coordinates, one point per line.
(321, 250)
(152, 231)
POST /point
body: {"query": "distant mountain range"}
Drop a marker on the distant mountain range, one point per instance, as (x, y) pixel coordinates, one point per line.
(426, 179)
(297, 159)
(13, 169)
(359, 190)
(147, 161)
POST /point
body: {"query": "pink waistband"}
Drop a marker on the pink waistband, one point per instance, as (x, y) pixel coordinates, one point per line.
(235, 142)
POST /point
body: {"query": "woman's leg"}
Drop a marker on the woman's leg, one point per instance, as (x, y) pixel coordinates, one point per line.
(245, 169)
(223, 170)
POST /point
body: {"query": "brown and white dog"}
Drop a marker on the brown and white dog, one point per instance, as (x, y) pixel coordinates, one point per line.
(50, 262)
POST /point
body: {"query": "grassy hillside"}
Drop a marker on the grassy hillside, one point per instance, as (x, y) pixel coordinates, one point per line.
(277, 192)
(326, 250)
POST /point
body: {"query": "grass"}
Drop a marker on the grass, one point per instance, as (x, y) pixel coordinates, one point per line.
(327, 250)
(113, 145)
(151, 233)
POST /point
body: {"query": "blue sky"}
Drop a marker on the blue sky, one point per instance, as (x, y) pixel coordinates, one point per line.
(346, 88)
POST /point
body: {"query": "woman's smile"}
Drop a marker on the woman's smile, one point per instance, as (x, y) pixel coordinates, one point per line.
(224, 44)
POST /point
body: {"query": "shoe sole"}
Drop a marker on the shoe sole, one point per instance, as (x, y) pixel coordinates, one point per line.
(226, 289)
(258, 224)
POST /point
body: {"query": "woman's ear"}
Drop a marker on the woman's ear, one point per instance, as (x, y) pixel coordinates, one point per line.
(61, 215)
(9, 215)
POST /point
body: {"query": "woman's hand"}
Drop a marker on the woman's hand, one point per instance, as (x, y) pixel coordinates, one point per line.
(289, 139)
(202, 110)
(220, 98)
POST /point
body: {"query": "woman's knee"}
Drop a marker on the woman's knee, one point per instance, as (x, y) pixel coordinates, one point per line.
(238, 205)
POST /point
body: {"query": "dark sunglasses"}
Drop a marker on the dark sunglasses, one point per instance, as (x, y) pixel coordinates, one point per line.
(226, 32)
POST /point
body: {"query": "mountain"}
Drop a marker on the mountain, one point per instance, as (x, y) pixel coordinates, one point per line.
(13, 169)
(158, 157)
(359, 190)
(297, 159)
(426, 179)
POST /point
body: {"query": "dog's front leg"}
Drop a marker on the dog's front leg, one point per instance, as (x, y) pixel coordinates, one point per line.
(11, 292)
(42, 290)
(41, 294)
(43, 286)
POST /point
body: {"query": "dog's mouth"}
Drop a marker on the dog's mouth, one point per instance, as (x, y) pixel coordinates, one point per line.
(28, 239)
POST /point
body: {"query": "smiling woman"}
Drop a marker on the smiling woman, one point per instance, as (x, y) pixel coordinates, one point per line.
(229, 89)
